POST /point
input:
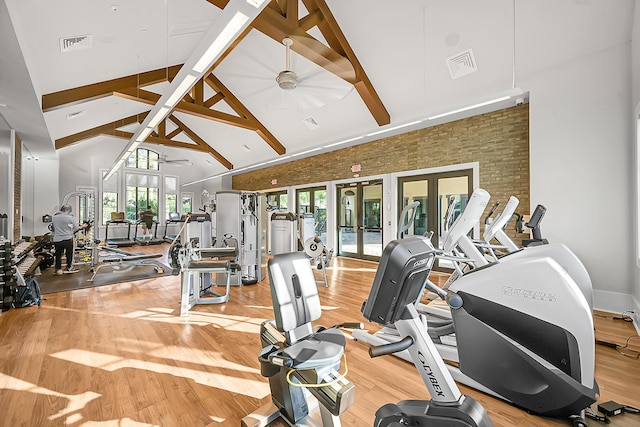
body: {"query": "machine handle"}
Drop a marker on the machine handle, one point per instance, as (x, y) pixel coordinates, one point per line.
(281, 361)
(350, 325)
(394, 347)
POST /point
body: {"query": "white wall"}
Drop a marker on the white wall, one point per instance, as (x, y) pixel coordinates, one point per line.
(581, 165)
(635, 83)
(39, 194)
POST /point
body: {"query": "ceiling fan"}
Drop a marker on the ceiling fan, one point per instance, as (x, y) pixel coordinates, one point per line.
(178, 162)
(302, 84)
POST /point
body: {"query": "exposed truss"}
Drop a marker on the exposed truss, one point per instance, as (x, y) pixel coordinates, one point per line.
(278, 21)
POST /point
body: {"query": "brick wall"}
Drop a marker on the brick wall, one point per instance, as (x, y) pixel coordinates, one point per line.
(499, 141)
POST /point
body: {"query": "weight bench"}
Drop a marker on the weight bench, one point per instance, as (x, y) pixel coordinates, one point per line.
(196, 267)
(130, 261)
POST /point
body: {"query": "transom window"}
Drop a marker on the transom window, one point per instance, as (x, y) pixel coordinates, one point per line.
(143, 158)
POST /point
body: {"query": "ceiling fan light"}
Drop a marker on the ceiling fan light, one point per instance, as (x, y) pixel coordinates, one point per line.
(287, 80)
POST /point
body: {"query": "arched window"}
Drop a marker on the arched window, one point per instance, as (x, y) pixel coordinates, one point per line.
(143, 158)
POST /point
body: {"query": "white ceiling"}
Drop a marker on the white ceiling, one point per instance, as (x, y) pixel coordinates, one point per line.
(402, 46)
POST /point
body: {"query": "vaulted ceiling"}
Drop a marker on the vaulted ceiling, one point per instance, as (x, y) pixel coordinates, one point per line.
(73, 72)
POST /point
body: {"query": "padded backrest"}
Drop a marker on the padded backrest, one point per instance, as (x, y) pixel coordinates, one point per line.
(293, 290)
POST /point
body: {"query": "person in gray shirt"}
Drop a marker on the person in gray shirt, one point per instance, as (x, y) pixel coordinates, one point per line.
(64, 228)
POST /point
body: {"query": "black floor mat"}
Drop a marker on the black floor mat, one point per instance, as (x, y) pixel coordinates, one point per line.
(107, 275)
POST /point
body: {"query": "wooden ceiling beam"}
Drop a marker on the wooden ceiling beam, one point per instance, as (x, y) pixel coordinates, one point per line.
(156, 140)
(201, 111)
(335, 37)
(278, 28)
(239, 108)
(65, 98)
(337, 58)
(202, 143)
(98, 130)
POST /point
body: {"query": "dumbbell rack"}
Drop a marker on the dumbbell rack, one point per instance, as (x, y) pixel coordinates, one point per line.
(7, 275)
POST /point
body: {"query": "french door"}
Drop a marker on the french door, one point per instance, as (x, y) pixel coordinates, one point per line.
(442, 198)
(313, 200)
(360, 219)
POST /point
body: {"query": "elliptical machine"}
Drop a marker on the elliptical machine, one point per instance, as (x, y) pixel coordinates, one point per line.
(529, 317)
(403, 269)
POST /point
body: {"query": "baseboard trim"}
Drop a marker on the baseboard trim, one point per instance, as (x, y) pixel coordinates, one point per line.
(615, 302)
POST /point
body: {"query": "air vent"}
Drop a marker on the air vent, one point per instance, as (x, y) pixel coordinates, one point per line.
(311, 123)
(70, 44)
(189, 28)
(462, 64)
(71, 116)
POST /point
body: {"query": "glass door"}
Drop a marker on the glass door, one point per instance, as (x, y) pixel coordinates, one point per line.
(360, 220)
(442, 199)
(312, 203)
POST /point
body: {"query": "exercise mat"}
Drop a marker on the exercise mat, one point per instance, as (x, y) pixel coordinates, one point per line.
(107, 275)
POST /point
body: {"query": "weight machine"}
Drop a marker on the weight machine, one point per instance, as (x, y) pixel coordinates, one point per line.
(196, 264)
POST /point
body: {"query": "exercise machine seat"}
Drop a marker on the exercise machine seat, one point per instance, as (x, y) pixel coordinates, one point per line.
(296, 304)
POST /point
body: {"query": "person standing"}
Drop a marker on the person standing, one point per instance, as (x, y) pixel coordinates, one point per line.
(146, 217)
(64, 227)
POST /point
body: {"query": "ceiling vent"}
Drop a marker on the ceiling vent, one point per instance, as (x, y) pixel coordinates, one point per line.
(189, 28)
(72, 116)
(70, 44)
(462, 64)
(311, 123)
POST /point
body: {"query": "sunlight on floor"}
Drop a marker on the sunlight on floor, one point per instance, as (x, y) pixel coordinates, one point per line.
(76, 402)
(214, 359)
(232, 384)
(225, 321)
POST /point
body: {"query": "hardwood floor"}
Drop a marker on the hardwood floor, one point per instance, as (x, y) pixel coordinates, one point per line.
(119, 355)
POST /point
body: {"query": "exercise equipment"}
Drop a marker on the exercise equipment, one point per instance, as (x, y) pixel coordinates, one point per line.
(118, 260)
(534, 225)
(153, 238)
(557, 251)
(243, 216)
(319, 254)
(523, 333)
(404, 267)
(118, 241)
(306, 228)
(174, 218)
(302, 362)
(284, 231)
(196, 266)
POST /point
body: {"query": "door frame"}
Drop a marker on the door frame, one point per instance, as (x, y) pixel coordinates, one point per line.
(359, 226)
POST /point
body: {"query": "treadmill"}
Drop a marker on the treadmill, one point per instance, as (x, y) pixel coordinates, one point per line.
(154, 240)
(118, 241)
(174, 218)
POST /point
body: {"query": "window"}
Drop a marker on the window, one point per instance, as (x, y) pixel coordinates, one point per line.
(187, 203)
(143, 158)
(277, 201)
(170, 195)
(142, 191)
(109, 197)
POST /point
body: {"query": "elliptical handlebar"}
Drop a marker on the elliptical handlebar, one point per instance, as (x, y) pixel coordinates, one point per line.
(394, 347)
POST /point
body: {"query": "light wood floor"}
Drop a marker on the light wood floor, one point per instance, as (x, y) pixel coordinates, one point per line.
(119, 355)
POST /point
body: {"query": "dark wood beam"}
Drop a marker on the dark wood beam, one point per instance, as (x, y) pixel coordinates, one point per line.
(157, 140)
(335, 37)
(201, 111)
(98, 130)
(202, 143)
(90, 92)
(239, 108)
